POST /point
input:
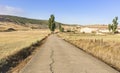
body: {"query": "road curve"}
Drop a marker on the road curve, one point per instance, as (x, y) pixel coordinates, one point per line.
(58, 56)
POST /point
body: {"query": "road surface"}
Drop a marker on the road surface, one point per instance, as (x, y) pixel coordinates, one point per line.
(58, 56)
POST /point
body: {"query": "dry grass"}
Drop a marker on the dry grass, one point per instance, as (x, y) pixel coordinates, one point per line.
(107, 48)
(12, 42)
(7, 25)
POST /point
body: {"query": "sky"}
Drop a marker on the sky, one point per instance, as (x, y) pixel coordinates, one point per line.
(66, 11)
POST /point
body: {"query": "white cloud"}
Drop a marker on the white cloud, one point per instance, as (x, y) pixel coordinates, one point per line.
(9, 10)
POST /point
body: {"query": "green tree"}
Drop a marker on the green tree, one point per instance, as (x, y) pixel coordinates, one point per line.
(51, 23)
(61, 29)
(113, 26)
(109, 27)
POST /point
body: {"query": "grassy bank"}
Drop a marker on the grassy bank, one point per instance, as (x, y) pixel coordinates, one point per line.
(104, 47)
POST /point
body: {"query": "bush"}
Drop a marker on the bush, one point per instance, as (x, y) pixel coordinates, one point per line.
(68, 30)
(10, 29)
(116, 32)
(93, 31)
(83, 32)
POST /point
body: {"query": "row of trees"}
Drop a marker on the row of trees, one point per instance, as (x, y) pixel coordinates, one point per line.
(113, 27)
(52, 25)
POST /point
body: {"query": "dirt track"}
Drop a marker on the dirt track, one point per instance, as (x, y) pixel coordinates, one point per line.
(58, 56)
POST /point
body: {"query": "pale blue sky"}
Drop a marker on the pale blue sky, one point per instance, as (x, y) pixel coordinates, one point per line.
(65, 11)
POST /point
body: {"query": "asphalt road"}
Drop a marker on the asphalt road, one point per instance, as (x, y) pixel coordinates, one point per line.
(58, 56)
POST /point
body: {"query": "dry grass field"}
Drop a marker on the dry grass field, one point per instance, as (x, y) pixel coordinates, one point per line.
(12, 42)
(106, 48)
(6, 25)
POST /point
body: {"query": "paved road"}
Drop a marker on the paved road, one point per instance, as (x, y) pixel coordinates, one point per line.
(58, 56)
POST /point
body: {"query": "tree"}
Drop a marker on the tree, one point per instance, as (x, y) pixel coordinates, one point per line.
(51, 23)
(109, 27)
(113, 26)
(61, 29)
(59, 26)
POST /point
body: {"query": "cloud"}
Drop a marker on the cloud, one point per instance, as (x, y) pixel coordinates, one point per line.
(9, 10)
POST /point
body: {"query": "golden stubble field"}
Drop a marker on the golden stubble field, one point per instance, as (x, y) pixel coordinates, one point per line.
(12, 42)
(106, 48)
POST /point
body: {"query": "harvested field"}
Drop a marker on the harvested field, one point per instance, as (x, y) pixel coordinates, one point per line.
(12, 42)
(106, 48)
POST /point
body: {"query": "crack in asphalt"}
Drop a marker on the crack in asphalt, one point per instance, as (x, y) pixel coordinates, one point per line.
(51, 64)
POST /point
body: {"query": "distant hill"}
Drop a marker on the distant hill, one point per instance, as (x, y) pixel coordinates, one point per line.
(21, 20)
(99, 26)
(26, 22)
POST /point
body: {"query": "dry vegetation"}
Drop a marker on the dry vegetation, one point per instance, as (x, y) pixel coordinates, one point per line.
(12, 42)
(106, 48)
(6, 25)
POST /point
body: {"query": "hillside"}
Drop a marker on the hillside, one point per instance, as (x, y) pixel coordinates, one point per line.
(20, 20)
(8, 20)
